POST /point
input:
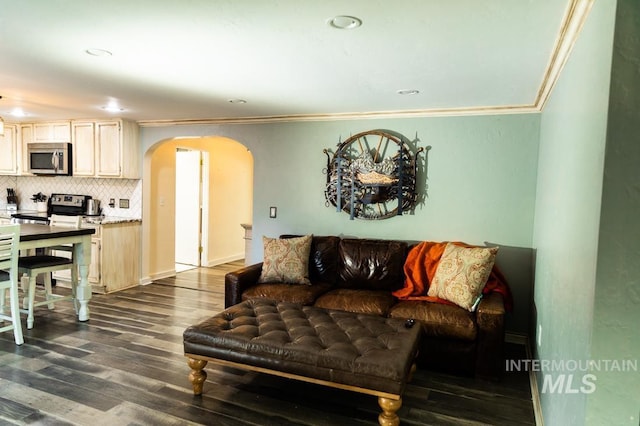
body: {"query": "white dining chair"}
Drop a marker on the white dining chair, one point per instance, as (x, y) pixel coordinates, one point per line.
(9, 253)
(31, 266)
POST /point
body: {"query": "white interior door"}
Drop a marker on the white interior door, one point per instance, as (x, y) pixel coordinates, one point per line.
(188, 201)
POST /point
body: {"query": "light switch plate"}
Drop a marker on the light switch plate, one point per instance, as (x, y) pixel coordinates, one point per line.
(124, 203)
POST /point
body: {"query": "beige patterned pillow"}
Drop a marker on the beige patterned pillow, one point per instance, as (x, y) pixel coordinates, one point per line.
(286, 260)
(462, 274)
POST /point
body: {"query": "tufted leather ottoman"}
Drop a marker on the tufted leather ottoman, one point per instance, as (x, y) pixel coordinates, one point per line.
(358, 352)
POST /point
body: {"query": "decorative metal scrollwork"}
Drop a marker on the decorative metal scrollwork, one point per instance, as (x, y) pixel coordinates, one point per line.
(372, 175)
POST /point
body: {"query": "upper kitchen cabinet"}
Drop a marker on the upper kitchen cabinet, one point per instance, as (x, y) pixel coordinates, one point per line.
(9, 150)
(25, 136)
(59, 131)
(83, 137)
(109, 148)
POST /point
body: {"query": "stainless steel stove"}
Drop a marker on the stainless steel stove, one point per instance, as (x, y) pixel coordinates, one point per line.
(63, 204)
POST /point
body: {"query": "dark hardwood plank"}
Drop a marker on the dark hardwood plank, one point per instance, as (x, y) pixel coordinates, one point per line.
(126, 366)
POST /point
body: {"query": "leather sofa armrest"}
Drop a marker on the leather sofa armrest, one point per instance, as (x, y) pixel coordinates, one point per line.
(491, 304)
(490, 347)
(236, 282)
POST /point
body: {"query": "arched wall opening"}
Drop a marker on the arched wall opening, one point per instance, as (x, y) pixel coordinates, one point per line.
(230, 195)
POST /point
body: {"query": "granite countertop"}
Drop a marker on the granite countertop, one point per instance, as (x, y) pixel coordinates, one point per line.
(95, 220)
(4, 212)
(108, 220)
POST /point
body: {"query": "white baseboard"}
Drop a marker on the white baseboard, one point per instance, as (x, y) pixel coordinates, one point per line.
(535, 393)
(523, 339)
(227, 259)
(145, 280)
(160, 275)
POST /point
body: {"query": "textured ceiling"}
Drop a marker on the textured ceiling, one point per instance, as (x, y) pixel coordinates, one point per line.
(183, 60)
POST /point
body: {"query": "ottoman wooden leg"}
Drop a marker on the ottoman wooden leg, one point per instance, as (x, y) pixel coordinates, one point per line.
(388, 417)
(197, 375)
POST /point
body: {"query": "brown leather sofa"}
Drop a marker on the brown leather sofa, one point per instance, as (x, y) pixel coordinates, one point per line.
(359, 275)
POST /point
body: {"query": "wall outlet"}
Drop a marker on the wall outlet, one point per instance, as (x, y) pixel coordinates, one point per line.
(124, 203)
(539, 335)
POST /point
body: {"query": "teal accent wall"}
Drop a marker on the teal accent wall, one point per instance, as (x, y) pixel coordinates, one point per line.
(538, 185)
(567, 214)
(480, 184)
(616, 319)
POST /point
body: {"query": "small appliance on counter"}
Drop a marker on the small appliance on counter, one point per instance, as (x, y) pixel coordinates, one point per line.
(62, 204)
(12, 200)
(93, 207)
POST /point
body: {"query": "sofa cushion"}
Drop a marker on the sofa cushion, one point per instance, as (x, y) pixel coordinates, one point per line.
(462, 274)
(286, 260)
(323, 258)
(283, 292)
(376, 302)
(371, 264)
(437, 319)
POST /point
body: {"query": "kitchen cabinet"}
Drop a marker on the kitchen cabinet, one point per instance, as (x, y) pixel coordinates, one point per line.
(109, 148)
(59, 131)
(115, 263)
(83, 137)
(9, 150)
(25, 136)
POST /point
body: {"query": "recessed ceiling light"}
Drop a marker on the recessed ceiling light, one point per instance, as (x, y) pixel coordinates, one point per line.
(344, 22)
(408, 92)
(112, 106)
(112, 109)
(237, 101)
(98, 52)
(18, 112)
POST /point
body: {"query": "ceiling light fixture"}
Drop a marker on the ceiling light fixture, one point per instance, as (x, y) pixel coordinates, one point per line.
(18, 112)
(98, 52)
(344, 22)
(112, 106)
(408, 92)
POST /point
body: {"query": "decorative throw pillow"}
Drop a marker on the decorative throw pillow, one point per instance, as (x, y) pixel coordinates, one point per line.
(462, 274)
(286, 260)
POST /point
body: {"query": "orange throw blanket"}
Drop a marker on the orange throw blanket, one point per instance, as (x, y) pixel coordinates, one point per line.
(420, 268)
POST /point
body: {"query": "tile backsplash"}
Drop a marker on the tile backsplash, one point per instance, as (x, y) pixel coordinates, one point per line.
(102, 189)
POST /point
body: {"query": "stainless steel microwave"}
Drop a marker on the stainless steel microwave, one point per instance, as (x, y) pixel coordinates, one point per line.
(50, 158)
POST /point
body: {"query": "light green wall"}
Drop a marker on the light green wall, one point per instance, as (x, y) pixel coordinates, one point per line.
(567, 213)
(617, 302)
(487, 178)
(481, 177)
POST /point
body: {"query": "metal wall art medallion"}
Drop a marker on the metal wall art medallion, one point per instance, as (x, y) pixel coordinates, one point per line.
(372, 175)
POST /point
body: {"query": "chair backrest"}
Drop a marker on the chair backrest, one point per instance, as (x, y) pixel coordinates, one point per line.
(65, 221)
(9, 242)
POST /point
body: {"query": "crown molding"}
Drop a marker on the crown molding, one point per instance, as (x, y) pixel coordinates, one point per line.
(574, 19)
(443, 112)
(572, 23)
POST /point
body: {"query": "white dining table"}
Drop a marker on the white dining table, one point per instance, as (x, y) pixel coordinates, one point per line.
(33, 236)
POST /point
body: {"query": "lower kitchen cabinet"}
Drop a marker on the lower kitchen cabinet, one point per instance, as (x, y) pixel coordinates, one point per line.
(115, 258)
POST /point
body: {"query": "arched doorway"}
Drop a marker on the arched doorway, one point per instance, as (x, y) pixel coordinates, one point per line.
(230, 197)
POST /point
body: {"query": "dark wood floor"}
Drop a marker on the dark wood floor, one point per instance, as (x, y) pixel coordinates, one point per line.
(126, 367)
